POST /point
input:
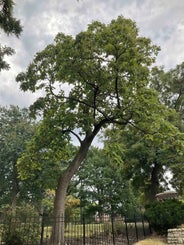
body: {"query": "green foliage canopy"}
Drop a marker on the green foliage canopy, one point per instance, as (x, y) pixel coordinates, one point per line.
(171, 92)
(146, 158)
(9, 25)
(101, 185)
(97, 78)
(16, 128)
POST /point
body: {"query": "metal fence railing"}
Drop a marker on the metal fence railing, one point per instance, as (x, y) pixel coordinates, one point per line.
(78, 231)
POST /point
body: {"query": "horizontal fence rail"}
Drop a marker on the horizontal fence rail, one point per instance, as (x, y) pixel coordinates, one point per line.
(94, 230)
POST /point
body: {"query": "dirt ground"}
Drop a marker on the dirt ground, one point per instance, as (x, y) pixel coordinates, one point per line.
(153, 240)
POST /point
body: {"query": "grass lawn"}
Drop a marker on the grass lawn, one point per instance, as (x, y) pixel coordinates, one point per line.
(151, 241)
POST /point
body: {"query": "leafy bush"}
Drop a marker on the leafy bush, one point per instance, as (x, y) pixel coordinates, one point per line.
(20, 226)
(14, 239)
(165, 215)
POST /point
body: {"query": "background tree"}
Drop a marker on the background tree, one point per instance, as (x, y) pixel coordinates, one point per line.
(101, 186)
(16, 128)
(146, 157)
(106, 69)
(9, 25)
(149, 157)
(172, 95)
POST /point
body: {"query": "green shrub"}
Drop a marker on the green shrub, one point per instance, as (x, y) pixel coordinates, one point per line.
(14, 239)
(22, 233)
(20, 226)
(165, 215)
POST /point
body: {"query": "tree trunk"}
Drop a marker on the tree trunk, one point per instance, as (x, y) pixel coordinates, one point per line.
(57, 237)
(154, 186)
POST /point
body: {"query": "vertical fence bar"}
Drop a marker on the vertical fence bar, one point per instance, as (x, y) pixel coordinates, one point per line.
(150, 229)
(113, 231)
(42, 228)
(127, 231)
(136, 231)
(143, 227)
(84, 230)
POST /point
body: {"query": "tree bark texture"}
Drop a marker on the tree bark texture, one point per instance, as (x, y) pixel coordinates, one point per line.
(154, 186)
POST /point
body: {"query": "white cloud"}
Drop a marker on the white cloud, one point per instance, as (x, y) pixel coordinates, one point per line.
(10, 93)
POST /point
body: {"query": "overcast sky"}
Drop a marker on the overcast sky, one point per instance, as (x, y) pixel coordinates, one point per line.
(160, 20)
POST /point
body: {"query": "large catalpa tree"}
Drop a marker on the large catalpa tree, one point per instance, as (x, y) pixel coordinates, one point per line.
(90, 81)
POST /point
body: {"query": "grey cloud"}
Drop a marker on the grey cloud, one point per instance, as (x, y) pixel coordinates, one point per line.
(10, 92)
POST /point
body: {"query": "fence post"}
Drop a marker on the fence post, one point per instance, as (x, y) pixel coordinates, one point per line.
(150, 229)
(113, 233)
(126, 231)
(42, 228)
(144, 233)
(84, 230)
(136, 231)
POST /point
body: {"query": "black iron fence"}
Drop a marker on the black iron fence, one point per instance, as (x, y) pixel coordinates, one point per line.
(95, 230)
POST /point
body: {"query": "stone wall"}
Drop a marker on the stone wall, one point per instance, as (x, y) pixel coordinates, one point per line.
(175, 236)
